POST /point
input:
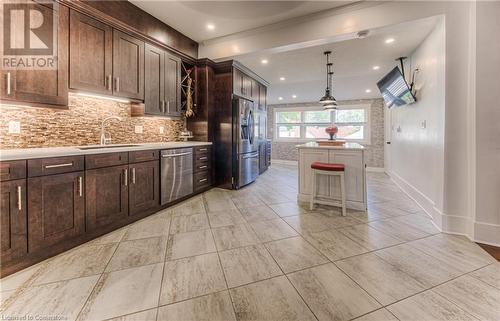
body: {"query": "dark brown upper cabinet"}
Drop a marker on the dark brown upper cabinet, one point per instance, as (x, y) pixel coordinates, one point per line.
(154, 95)
(255, 91)
(13, 224)
(238, 82)
(144, 191)
(162, 83)
(42, 86)
(91, 54)
(106, 196)
(173, 85)
(56, 209)
(128, 66)
(262, 97)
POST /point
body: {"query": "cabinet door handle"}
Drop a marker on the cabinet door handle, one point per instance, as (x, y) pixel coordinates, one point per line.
(80, 186)
(133, 175)
(163, 106)
(168, 106)
(8, 84)
(117, 84)
(202, 180)
(19, 198)
(109, 80)
(58, 165)
(125, 175)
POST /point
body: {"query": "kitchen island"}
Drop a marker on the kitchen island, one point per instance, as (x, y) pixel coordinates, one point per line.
(352, 155)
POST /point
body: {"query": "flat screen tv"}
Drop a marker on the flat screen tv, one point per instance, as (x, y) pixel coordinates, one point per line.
(395, 89)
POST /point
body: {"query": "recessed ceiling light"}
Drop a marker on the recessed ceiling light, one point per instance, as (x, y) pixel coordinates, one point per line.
(210, 26)
(264, 61)
(389, 40)
(368, 91)
(282, 78)
(376, 67)
(294, 96)
(280, 98)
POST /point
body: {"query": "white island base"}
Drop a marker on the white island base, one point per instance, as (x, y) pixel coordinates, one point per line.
(352, 155)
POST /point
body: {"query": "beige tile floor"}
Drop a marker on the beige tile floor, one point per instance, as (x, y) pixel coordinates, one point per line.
(254, 254)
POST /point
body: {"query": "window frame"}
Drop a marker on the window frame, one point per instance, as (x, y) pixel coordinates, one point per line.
(302, 124)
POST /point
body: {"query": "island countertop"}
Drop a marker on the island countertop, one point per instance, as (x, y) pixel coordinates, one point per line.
(32, 153)
(344, 146)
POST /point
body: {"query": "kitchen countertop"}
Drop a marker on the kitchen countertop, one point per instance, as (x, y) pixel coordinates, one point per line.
(345, 146)
(32, 153)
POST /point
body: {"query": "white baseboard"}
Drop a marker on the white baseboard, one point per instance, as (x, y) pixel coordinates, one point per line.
(284, 162)
(375, 169)
(487, 233)
(451, 224)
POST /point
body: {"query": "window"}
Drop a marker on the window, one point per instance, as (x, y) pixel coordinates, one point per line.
(308, 123)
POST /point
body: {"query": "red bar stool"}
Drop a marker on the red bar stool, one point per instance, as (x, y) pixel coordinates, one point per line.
(330, 169)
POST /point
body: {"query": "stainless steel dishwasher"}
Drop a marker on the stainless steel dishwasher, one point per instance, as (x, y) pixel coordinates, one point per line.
(176, 174)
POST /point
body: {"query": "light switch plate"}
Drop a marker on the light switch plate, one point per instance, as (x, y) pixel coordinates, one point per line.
(162, 130)
(139, 129)
(14, 127)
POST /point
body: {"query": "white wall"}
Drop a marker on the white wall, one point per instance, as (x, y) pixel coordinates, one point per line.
(487, 122)
(418, 130)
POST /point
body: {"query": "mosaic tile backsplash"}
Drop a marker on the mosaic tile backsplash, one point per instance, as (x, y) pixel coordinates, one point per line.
(374, 152)
(80, 125)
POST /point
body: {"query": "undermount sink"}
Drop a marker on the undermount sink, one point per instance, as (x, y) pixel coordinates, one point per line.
(106, 146)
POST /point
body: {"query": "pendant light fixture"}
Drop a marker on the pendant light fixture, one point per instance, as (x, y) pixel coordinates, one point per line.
(328, 101)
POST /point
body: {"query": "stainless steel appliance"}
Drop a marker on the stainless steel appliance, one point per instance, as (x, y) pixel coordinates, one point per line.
(176, 174)
(245, 142)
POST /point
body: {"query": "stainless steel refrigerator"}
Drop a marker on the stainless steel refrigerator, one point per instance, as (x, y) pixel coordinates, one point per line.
(245, 147)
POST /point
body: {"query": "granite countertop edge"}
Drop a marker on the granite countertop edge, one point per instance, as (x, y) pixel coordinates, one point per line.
(46, 152)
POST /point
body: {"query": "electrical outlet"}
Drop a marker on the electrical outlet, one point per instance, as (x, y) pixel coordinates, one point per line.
(14, 127)
(423, 124)
(139, 129)
(162, 130)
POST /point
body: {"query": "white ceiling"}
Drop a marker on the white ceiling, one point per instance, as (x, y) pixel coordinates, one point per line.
(353, 60)
(228, 17)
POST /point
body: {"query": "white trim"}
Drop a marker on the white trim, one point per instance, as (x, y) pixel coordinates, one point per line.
(302, 139)
(446, 223)
(375, 169)
(284, 162)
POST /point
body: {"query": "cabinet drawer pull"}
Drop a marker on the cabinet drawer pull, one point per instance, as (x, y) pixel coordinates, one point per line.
(19, 198)
(202, 149)
(80, 186)
(58, 165)
(203, 158)
(133, 175)
(202, 180)
(204, 166)
(125, 175)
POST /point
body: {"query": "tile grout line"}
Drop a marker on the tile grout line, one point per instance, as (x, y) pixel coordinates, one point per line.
(163, 269)
(205, 205)
(98, 284)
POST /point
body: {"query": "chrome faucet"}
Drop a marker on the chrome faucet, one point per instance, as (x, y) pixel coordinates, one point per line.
(106, 140)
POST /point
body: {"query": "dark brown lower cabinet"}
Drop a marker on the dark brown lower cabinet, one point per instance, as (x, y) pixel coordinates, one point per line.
(56, 209)
(106, 196)
(13, 232)
(144, 188)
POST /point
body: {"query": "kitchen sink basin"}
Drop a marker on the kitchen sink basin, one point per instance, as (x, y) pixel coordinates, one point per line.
(106, 146)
